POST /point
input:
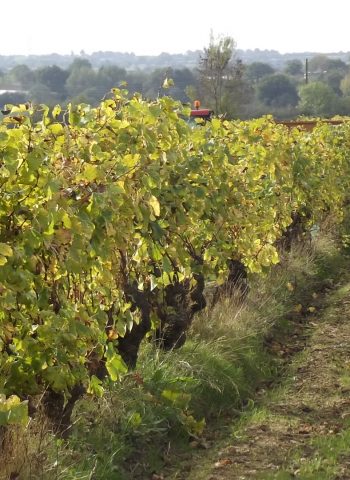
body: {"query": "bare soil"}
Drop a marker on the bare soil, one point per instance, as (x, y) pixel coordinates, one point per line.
(299, 428)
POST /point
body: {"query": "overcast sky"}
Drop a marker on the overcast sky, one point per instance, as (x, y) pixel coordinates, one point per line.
(155, 26)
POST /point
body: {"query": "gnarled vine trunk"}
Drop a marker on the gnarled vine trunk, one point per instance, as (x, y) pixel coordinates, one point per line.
(237, 281)
(181, 302)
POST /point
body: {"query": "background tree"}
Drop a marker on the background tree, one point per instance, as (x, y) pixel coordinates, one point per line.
(258, 70)
(135, 81)
(152, 86)
(110, 76)
(345, 85)
(239, 93)
(278, 91)
(12, 98)
(182, 78)
(81, 77)
(54, 78)
(41, 93)
(322, 64)
(294, 67)
(20, 77)
(333, 78)
(318, 99)
(217, 68)
(79, 63)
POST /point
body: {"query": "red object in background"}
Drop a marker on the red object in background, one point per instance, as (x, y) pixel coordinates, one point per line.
(198, 112)
(201, 112)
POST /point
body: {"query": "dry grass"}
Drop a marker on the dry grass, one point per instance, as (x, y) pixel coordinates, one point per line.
(24, 450)
(268, 298)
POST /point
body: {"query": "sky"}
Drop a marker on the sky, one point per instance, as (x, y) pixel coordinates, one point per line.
(150, 27)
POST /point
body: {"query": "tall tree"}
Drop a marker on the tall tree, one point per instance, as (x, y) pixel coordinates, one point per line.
(217, 69)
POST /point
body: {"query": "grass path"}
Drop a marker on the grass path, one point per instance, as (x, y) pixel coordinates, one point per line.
(301, 427)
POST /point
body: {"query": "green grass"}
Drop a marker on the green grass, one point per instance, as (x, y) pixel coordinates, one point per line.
(324, 463)
(172, 399)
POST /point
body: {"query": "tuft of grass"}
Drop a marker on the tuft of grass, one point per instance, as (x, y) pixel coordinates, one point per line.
(325, 461)
(24, 451)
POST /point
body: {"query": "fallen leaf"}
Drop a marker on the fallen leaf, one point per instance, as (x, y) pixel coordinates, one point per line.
(223, 463)
(305, 429)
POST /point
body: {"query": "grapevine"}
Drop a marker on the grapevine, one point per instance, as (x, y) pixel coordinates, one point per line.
(113, 219)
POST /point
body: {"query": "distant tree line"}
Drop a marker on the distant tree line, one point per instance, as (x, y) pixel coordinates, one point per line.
(220, 79)
(80, 82)
(131, 61)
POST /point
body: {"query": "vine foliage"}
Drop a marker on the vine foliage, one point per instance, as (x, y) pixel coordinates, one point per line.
(112, 219)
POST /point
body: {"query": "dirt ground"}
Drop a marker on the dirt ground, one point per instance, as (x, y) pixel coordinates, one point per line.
(299, 428)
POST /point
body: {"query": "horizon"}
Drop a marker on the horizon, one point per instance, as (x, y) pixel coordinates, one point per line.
(83, 53)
